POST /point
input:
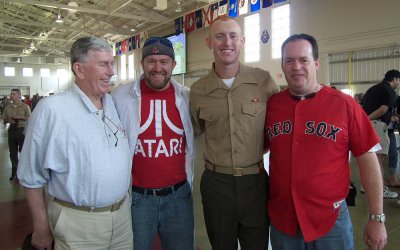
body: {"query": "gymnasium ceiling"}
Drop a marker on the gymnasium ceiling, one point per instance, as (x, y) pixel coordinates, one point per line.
(24, 23)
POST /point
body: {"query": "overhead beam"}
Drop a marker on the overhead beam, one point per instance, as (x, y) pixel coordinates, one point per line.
(143, 16)
(13, 45)
(31, 37)
(114, 30)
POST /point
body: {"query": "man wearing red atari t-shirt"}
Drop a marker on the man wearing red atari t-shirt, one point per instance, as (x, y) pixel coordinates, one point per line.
(155, 113)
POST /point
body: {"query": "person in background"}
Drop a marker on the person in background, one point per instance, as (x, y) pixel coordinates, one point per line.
(17, 115)
(28, 101)
(359, 97)
(155, 112)
(76, 147)
(228, 106)
(393, 153)
(379, 103)
(309, 159)
(35, 100)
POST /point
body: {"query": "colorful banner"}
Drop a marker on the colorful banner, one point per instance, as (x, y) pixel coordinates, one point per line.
(179, 25)
(243, 7)
(233, 8)
(210, 13)
(198, 18)
(223, 8)
(190, 22)
(266, 3)
(255, 5)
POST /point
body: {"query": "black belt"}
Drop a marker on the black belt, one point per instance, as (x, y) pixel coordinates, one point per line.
(158, 191)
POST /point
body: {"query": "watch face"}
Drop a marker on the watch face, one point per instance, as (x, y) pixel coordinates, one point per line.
(378, 217)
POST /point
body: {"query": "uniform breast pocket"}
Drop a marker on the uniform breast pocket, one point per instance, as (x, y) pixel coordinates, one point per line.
(213, 121)
(253, 118)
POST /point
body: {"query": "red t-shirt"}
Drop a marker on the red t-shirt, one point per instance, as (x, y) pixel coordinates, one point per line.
(159, 158)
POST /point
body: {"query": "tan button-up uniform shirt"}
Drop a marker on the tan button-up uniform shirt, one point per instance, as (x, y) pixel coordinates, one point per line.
(17, 109)
(232, 118)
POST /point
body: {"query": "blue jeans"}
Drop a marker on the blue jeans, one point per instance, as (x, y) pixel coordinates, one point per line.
(339, 238)
(393, 154)
(170, 216)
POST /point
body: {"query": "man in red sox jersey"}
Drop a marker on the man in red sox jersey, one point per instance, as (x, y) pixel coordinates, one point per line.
(155, 114)
(310, 129)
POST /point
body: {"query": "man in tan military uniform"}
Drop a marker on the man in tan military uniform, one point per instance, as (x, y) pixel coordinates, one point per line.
(16, 114)
(229, 105)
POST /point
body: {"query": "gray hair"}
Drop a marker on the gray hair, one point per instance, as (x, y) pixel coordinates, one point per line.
(81, 47)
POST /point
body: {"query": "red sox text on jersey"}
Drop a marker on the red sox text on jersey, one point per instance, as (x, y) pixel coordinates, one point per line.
(320, 129)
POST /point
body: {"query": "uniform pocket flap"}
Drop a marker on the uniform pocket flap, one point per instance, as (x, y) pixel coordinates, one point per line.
(253, 109)
(210, 114)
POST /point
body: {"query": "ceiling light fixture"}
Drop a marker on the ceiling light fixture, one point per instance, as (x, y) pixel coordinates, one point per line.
(32, 46)
(43, 35)
(133, 29)
(178, 7)
(18, 60)
(59, 18)
(161, 5)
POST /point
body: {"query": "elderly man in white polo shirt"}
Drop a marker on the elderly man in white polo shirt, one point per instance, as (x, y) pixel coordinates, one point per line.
(75, 145)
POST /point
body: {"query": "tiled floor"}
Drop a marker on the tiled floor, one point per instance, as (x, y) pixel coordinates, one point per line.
(15, 221)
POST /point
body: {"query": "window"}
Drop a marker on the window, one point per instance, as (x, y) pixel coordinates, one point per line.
(123, 67)
(347, 91)
(27, 72)
(44, 72)
(131, 67)
(62, 74)
(9, 71)
(280, 28)
(252, 34)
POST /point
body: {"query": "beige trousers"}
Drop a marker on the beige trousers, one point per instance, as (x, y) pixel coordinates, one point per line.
(74, 229)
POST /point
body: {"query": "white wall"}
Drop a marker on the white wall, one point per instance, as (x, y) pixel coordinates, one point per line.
(37, 84)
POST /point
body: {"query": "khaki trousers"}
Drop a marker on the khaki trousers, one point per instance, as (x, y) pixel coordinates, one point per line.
(74, 229)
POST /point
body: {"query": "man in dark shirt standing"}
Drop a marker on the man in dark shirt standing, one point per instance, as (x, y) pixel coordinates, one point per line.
(379, 103)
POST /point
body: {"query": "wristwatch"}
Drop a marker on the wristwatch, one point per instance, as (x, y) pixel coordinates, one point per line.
(377, 217)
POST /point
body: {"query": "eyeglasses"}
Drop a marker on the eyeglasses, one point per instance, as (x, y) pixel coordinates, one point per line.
(155, 39)
(114, 133)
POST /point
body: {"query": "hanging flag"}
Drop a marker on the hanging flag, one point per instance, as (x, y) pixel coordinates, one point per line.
(279, 1)
(190, 22)
(198, 19)
(179, 25)
(142, 38)
(123, 47)
(254, 5)
(133, 41)
(243, 7)
(266, 3)
(223, 8)
(130, 47)
(118, 47)
(126, 45)
(137, 40)
(210, 13)
(233, 8)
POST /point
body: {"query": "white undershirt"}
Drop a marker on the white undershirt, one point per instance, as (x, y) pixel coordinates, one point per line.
(229, 82)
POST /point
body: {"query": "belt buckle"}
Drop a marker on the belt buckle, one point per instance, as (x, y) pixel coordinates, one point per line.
(237, 171)
(116, 205)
